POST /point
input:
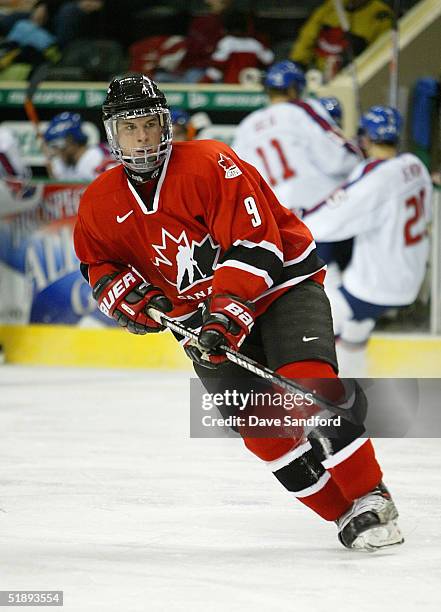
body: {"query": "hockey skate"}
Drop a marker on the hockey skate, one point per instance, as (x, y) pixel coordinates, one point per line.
(370, 524)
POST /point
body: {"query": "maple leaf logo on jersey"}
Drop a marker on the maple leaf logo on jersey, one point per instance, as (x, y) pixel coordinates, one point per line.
(230, 168)
(188, 263)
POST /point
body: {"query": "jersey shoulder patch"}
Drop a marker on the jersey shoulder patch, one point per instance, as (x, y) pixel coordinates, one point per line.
(229, 166)
(203, 158)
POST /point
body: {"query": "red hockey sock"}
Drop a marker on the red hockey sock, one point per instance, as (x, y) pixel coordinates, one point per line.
(270, 449)
(326, 497)
(290, 460)
(328, 502)
(312, 371)
(307, 369)
(355, 468)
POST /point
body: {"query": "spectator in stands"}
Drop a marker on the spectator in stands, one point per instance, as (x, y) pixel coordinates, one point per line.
(323, 44)
(237, 53)
(79, 19)
(30, 41)
(102, 19)
(22, 9)
(11, 11)
(204, 31)
(71, 158)
(203, 34)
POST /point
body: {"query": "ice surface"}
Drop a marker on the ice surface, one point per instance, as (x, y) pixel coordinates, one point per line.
(103, 495)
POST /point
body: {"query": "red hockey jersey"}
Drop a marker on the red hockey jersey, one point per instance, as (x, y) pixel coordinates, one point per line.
(210, 226)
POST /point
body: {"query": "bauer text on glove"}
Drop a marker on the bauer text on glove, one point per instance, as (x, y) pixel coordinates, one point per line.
(125, 297)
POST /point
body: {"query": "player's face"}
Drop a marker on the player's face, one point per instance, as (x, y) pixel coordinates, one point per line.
(68, 153)
(66, 150)
(139, 132)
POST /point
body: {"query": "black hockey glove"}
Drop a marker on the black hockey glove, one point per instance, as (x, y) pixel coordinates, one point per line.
(227, 322)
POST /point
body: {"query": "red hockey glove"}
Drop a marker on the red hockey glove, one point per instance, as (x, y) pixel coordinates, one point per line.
(125, 296)
(228, 322)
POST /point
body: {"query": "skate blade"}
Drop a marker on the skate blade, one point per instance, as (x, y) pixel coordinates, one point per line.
(379, 537)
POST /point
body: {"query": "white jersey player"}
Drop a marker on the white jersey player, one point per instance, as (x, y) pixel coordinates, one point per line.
(16, 194)
(385, 206)
(71, 157)
(296, 145)
(11, 162)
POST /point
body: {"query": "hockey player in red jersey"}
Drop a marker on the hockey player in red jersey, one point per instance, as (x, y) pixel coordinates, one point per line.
(193, 225)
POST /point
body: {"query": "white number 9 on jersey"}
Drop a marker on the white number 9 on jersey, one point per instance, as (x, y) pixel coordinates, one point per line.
(251, 208)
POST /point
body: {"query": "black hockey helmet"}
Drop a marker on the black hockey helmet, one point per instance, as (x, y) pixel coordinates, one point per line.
(129, 97)
(132, 92)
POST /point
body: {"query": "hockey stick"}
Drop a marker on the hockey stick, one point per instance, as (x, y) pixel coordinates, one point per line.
(347, 410)
(38, 75)
(393, 67)
(344, 24)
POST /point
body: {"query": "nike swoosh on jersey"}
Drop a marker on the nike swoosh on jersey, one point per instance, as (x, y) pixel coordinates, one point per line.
(305, 339)
(122, 219)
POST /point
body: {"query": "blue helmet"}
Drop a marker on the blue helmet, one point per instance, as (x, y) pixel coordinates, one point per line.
(179, 116)
(381, 124)
(333, 107)
(285, 74)
(63, 125)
